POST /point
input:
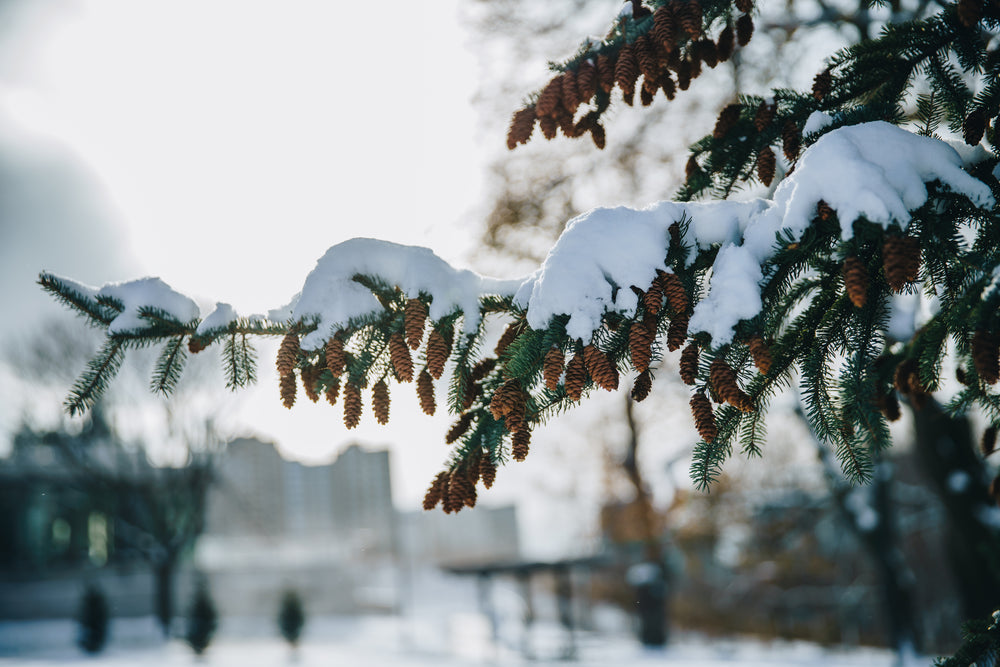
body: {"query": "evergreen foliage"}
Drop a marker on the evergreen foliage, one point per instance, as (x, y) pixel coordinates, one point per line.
(202, 620)
(291, 617)
(981, 645)
(93, 620)
(826, 300)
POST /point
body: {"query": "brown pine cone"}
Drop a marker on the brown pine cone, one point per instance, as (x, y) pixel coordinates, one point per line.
(900, 261)
(522, 124)
(888, 405)
(974, 127)
(380, 402)
(694, 62)
(791, 140)
(764, 116)
(704, 419)
(509, 334)
(548, 126)
(519, 445)
(598, 135)
(708, 52)
(906, 378)
(646, 95)
(824, 211)
(856, 281)
(332, 391)
(689, 364)
(504, 399)
(642, 386)
(310, 378)
(676, 295)
(727, 119)
(399, 355)
(725, 45)
(691, 168)
(195, 345)
(649, 62)
(667, 84)
(605, 73)
(287, 387)
(414, 318)
(986, 356)
(425, 390)
(821, 84)
(451, 498)
(970, 12)
(576, 377)
(438, 351)
(570, 91)
(962, 376)
(552, 368)
(483, 368)
(677, 332)
(459, 428)
(472, 463)
(435, 491)
(549, 98)
(487, 470)
(352, 405)
(336, 359)
(745, 6)
(652, 298)
(723, 380)
(665, 27)
(911, 253)
(744, 30)
(463, 493)
(689, 17)
(766, 164)
(683, 75)
(586, 81)
(287, 354)
(989, 442)
(640, 345)
(761, 354)
(586, 123)
(627, 71)
(601, 369)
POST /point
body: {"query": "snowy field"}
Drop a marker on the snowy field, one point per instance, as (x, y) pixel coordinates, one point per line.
(409, 642)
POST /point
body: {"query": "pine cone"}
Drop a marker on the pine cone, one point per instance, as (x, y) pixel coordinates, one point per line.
(195, 345)
(576, 377)
(570, 91)
(287, 388)
(744, 30)
(586, 80)
(513, 329)
(287, 354)
(552, 368)
(766, 164)
(435, 491)
(459, 428)
(548, 126)
(727, 119)
(888, 405)
(684, 75)
(549, 98)
(649, 62)
(352, 405)
(961, 376)
(694, 61)
(970, 12)
(627, 71)
(723, 380)
(451, 500)
(336, 358)
(764, 116)
(986, 356)
(903, 377)
(519, 445)
(689, 364)
(856, 281)
(640, 345)
(332, 391)
(676, 295)
(708, 52)
(472, 463)
(704, 419)
(522, 124)
(974, 127)
(691, 168)
(822, 83)
(380, 402)
(678, 332)
(310, 378)
(642, 385)
(438, 351)
(665, 27)
(504, 399)
(487, 471)
(425, 390)
(483, 368)
(900, 261)
(989, 442)
(646, 95)
(745, 6)
(414, 318)
(605, 73)
(824, 211)
(791, 140)
(601, 369)
(689, 17)
(473, 392)
(460, 492)
(761, 354)
(652, 299)
(598, 135)
(725, 45)
(399, 354)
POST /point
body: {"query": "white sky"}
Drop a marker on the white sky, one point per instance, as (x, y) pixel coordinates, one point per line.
(225, 145)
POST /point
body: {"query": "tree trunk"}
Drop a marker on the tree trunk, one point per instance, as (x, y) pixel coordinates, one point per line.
(165, 572)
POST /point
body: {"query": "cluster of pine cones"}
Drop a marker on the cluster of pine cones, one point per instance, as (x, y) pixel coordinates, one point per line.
(900, 263)
(668, 55)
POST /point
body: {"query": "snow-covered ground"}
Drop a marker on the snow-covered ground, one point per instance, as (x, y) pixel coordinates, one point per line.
(410, 642)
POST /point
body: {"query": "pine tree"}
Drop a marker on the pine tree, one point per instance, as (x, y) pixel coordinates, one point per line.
(291, 618)
(815, 271)
(93, 620)
(202, 620)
